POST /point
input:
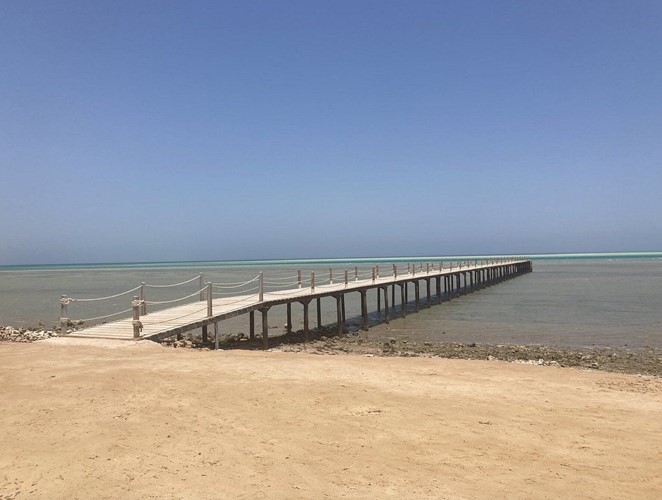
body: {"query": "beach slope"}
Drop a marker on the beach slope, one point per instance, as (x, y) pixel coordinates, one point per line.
(145, 421)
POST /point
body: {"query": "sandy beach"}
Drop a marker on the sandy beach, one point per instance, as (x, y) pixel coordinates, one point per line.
(128, 420)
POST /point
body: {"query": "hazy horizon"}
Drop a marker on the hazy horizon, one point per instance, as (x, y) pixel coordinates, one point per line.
(388, 258)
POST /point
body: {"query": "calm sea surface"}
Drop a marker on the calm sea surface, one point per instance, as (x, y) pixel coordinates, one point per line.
(570, 300)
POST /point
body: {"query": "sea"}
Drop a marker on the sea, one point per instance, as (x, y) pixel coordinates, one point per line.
(569, 300)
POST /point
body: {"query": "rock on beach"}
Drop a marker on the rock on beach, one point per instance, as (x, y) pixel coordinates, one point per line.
(12, 334)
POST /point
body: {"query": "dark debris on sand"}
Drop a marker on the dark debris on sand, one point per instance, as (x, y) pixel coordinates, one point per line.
(326, 340)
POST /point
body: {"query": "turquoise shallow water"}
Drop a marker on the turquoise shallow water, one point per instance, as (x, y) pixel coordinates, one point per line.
(571, 299)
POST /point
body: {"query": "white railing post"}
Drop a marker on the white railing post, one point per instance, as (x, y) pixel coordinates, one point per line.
(299, 278)
(408, 270)
(201, 287)
(373, 274)
(330, 276)
(64, 315)
(413, 270)
(209, 300)
(261, 292)
(137, 325)
(356, 273)
(143, 298)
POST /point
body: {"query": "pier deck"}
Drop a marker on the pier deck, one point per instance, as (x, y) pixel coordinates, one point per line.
(176, 320)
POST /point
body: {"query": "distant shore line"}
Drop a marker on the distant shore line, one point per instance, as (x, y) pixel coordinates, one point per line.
(323, 261)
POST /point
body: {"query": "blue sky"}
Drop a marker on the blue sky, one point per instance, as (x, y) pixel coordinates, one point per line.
(146, 131)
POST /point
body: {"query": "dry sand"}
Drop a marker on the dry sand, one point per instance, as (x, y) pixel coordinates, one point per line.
(144, 421)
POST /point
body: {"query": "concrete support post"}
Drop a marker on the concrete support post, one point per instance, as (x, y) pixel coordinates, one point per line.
(137, 325)
(210, 297)
(306, 328)
(339, 314)
(403, 302)
(386, 304)
(288, 327)
(143, 298)
(364, 309)
(64, 315)
(265, 329)
(342, 303)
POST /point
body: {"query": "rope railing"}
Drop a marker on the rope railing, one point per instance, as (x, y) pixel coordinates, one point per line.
(95, 299)
(289, 281)
(286, 286)
(236, 284)
(174, 284)
(291, 291)
(284, 278)
(178, 317)
(162, 302)
(242, 298)
(231, 293)
(234, 289)
(89, 320)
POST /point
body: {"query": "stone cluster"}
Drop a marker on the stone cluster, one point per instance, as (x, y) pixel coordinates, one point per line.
(11, 334)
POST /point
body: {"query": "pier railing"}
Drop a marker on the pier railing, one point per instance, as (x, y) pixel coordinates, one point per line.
(255, 289)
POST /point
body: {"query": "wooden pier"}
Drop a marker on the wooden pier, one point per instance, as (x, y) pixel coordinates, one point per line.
(209, 306)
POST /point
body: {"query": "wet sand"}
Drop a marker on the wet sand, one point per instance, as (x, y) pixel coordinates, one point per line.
(145, 421)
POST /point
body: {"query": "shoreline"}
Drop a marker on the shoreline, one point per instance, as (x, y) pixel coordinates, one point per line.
(326, 341)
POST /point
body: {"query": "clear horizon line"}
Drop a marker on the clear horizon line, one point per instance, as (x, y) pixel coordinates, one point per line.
(331, 259)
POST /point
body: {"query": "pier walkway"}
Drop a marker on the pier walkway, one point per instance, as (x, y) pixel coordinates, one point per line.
(210, 304)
